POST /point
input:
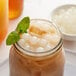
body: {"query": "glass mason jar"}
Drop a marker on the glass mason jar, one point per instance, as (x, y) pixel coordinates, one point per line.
(30, 63)
(3, 19)
(15, 8)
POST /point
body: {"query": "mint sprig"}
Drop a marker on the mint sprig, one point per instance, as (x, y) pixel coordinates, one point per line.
(22, 27)
(13, 37)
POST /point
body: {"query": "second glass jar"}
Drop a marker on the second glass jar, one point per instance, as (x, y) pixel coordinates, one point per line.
(15, 8)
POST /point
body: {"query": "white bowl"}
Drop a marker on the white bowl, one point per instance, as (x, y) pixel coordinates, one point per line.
(69, 37)
(66, 36)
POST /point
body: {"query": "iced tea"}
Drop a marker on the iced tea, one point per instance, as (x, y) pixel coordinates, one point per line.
(15, 8)
(39, 52)
(3, 19)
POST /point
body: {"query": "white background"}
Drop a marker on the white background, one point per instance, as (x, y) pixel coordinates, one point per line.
(39, 9)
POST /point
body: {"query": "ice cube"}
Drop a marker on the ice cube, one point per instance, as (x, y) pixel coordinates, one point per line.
(34, 40)
(25, 36)
(40, 49)
(54, 39)
(48, 47)
(47, 37)
(43, 42)
(21, 42)
(27, 47)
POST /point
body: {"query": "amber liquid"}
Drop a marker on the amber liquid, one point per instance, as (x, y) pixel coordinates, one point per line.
(15, 8)
(3, 19)
(26, 65)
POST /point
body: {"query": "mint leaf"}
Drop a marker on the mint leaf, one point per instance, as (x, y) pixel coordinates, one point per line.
(23, 25)
(12, 38)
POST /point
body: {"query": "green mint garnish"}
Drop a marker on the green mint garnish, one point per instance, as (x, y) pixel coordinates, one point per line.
(13, 37)
(22, 27)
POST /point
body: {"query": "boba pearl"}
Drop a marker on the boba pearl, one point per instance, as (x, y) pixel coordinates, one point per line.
(40, 49)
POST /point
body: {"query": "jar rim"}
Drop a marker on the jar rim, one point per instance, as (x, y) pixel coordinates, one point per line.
(51, 51)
